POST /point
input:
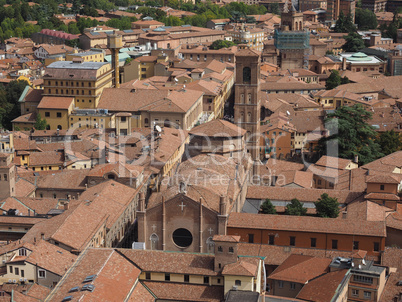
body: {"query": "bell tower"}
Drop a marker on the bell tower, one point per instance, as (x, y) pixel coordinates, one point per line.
(247, 106)
(7, 176)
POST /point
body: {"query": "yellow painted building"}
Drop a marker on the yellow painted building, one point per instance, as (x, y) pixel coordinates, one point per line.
(84, 81)
(91, 118)
(93, 55)
(56, 111)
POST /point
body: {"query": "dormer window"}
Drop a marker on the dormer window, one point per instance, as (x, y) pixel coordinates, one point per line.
(22, 252)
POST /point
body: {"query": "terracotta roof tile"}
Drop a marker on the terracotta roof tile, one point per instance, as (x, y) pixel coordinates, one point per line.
(301, 269)
(185, 292)
(307, 224)
(243, 267)
(215, 128)
(53, 102)
(304, 195)
(392, 289)
(115, 277)
(323, 288)
(172, 262)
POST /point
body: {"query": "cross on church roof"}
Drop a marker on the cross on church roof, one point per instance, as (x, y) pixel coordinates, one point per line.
(182, 205)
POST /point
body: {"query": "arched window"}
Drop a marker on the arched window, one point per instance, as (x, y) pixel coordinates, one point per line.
(146, 121)
(249, 98)
(154, 241)
(241, 116)
(246, 75)
(249, 117)
(242, 98)
(210, 245)
(59, 127)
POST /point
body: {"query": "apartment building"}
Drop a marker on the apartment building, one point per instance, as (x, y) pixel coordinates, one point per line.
(252, 37)
(79, 80)
(309, 232)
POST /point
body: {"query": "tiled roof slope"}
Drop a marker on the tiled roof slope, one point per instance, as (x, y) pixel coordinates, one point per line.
(307, 224)
(301, 269)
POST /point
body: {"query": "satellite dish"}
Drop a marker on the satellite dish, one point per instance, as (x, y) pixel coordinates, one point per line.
(176, 80)
(287, 112)
(158, 128)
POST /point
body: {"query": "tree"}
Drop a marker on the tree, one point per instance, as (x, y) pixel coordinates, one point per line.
(295, 207)
(366, 19)
(354, 42)
(40, 124)
(350, 135)
(344, 24)
(218, 44)
(334, 80)
(345, 80)
(267, 207)
(327, 207)
(390, 142)
(274, 8)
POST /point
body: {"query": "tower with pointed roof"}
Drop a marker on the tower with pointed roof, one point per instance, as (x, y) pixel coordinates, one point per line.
(247, 106)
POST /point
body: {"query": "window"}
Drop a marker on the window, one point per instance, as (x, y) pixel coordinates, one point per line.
(58, 114)
(47, 114)
(22, 273)
(206, 280)
(182, 237)
(11, 269)
(292, 285)
(382, 187)
(143, 69)
(250, 238)
(148, 275)
(123, 118)
(231, 250)
(54, 196)
(313, 242)
(334, 244)
(238, 282)
(154, 241)
(292, 241)
(367, 295)
(41, 273)
(167, 277)
(246, 75)
(355, 245)
(17, 271)
(319, 181)
(22, 252)
(355, 292)
(280, 284)
(376, 246)
(5, 177)
(363, 279)
(187, 278)
(271, 240)
(220, 249)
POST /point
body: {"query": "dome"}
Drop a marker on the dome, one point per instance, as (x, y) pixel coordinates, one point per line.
(359, 56)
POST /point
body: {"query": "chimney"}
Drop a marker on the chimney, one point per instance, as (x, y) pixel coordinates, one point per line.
(222, 205)
(66, 205)
(344, 63)
(356, 159)
(141, 202)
